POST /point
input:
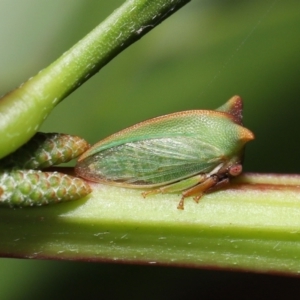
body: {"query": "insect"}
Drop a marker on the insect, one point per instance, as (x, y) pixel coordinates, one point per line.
(190, 152)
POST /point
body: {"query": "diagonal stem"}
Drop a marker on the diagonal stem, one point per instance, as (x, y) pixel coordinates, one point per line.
(23, 110)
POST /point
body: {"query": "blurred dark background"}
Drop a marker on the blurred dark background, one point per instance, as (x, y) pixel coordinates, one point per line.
(207, 52)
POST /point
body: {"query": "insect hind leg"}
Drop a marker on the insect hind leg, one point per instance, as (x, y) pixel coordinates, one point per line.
(178, 186)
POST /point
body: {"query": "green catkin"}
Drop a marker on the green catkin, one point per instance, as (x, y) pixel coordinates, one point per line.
(21, 188)
(45, 150)
(22, 185)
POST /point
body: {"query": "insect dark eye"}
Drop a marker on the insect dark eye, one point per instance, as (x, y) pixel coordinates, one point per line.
(235, 170)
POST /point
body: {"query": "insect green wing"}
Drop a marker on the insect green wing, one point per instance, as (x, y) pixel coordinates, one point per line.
(151, 162)
(165, 149)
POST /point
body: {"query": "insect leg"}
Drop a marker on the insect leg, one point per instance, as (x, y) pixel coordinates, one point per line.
(177, 186)
(220, 184)
(198, 190)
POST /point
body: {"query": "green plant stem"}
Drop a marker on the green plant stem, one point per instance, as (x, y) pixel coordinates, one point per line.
(23, 110)
(252, 225)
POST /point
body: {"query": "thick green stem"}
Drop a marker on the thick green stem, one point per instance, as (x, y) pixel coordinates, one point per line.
(252, 225)
(23, 110)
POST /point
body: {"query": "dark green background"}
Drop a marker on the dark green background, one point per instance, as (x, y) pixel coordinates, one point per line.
(198, 58)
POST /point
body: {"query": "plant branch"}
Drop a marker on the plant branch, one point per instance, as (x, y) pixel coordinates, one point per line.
(252, 225)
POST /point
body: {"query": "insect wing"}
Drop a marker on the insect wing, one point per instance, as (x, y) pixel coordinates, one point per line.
(151, 162)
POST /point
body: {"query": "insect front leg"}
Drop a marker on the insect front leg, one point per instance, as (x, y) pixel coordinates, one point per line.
(219, 184)
(198, 190)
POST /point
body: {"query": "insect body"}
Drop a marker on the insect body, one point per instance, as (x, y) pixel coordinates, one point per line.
(191, 152)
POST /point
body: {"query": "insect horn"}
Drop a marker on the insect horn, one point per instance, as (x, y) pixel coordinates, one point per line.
(234, 107)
